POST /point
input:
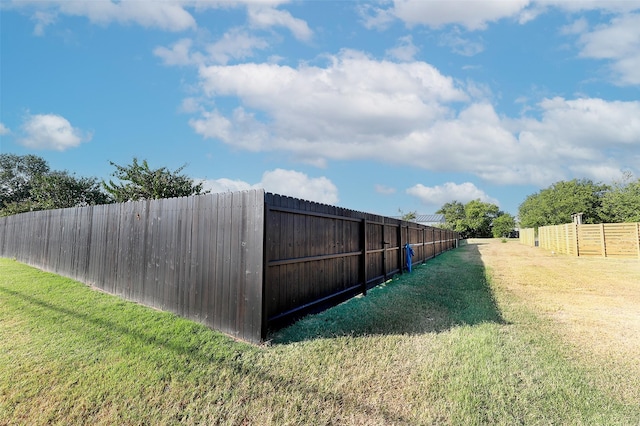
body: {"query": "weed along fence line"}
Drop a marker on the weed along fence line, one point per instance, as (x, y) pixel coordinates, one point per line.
(620, 240)
(242, 262)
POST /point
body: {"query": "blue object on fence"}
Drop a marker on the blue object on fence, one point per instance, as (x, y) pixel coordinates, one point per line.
(409, 255)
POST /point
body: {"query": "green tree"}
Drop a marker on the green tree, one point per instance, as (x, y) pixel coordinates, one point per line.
(138, 181)
(479, 217)
(454, 216)
(503, 225)
(622, 202)
(17, 175)
(407, 216)
(556, 204)
(472, 220)
(27, 184)
(58, 190)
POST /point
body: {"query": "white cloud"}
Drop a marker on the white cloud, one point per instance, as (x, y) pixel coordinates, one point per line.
(4, 130)
(267, 17)
(297, 184)
(235, 44)
(42, 20)
(284, 182)
(473, 15)
(314, 108)
(460, 45)
(168, 15)
(476, 15)
(578, 26)
(51, 131)
(407, 114)
(607, 6)
(404, 51)
(225, 185)
(618, 42)
(179, 53)
(384, 190)
(441, 194)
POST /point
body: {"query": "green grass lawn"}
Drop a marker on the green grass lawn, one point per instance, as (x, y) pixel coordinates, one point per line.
(442, 345)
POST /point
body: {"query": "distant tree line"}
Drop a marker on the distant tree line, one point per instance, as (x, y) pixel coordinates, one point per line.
(555, 205)
(27, 183)
(477, 219)
(599, 203)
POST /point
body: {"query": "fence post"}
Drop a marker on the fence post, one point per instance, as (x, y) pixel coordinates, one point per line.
(363, 262)
(384, 248)
(400, 246)
(638, 238)
(604, 243)
(577, 243)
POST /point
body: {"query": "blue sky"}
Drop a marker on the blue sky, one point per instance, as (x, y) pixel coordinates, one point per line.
(370, 105)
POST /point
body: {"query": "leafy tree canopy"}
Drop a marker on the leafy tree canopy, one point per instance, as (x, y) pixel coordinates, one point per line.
(556, 204)
(453, 215)
(472, 220)
(138, 181)
(27, 184)
(622, 202)
(17, 174)
(58, 190)
(503, 225)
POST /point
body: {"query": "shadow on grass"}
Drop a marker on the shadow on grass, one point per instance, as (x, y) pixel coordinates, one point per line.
(445, 292)
(179, 346)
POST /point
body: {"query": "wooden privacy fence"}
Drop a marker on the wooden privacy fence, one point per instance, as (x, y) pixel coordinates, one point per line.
(243, 262)
(620, 240)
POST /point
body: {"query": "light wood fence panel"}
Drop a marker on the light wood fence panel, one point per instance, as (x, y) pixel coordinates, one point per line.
(621, 240)
(528, 237)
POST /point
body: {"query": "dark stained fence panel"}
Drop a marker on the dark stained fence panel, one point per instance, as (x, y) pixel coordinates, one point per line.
(199, 257)
(317, 256)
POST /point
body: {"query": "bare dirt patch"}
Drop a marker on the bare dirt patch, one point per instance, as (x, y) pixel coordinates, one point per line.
(593, 302)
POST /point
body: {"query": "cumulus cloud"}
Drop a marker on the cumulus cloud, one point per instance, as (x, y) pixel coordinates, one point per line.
(52, 132)
(473, 15)
(284, 182)
(409, 113)
(619, 43)
(4, 130)
(313, 109)
(166, 15)
(441, 194)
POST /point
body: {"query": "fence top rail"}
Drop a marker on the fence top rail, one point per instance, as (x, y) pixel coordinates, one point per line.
(315, 209)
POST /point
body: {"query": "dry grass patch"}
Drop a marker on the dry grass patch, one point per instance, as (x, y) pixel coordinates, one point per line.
(594, 303)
